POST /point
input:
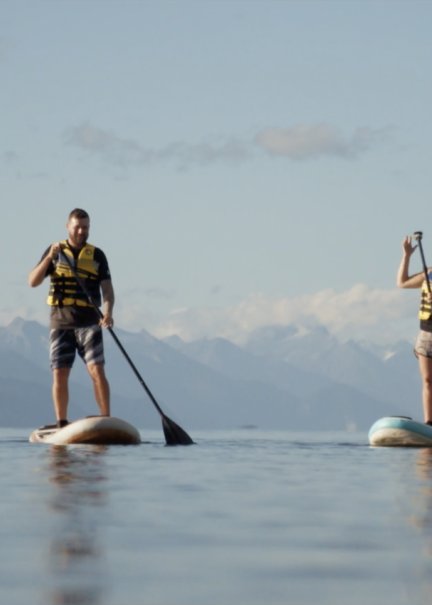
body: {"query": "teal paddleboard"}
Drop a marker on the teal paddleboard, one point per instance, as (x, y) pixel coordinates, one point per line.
(400, 431)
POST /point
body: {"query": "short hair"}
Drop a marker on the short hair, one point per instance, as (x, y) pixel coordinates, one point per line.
(78, 213)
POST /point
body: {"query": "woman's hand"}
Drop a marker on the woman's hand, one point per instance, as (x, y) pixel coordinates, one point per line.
(404, 280)
(408, 248)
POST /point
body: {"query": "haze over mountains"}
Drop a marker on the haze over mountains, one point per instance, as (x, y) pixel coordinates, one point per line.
(282, 378)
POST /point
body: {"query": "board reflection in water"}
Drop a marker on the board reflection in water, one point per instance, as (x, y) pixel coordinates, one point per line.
(418, 511)
(76, 555)
(422, 517)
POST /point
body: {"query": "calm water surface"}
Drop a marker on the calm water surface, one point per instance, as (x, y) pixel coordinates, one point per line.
(244, 517)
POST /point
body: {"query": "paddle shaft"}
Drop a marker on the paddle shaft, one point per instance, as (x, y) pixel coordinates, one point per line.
(111, 331)
(425, 271)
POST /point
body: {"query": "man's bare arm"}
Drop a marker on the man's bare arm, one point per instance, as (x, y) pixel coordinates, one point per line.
(108, 299)
(37, 275)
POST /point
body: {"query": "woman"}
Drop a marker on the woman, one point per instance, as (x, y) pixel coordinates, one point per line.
(423, 345)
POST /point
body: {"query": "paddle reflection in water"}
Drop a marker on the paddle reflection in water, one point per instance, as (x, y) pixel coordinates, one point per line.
(75, 554)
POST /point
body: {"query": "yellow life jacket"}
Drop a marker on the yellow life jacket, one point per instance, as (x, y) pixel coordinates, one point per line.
(65, 289)
(425, 307)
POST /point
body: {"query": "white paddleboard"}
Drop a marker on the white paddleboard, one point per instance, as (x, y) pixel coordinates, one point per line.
(101, 430)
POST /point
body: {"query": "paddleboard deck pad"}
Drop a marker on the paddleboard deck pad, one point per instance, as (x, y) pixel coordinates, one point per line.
(100, 430)
(400, 431)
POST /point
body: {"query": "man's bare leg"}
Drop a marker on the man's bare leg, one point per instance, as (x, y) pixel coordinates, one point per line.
(426, 374)
(60, 392)
(101, 387)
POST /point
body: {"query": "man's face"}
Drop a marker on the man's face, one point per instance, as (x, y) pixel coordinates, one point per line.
(78, 229)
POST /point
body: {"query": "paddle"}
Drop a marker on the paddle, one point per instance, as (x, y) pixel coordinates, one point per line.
(174, 434)
(418, 237)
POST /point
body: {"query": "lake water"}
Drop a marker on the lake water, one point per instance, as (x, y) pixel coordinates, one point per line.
(247, 517)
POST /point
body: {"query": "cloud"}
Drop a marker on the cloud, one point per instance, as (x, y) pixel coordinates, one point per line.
(31, 176)
(128, 152)
(301, 142)
(231, 150)
(7, 315)
(94, 140)
(361, 313)
(311, 141)
(380, 316)
(3, 47)
(150, 293)
(9, 157)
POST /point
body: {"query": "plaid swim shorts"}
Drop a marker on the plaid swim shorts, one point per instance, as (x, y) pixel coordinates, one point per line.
(87, 341)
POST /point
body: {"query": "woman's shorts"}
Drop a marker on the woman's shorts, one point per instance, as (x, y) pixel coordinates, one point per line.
(423, 345)
(87, 341)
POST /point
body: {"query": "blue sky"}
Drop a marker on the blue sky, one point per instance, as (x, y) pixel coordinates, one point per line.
(243, 163)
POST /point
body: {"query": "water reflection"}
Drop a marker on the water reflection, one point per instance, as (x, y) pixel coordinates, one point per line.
(76, 554)
(423, 515)
(417, 485)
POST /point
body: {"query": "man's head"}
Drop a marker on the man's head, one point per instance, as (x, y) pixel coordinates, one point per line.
(78, 227)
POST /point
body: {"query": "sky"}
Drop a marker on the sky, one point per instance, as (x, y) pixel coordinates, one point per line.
(244, 163)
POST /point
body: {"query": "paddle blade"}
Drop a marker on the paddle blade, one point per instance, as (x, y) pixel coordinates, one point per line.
(174, 434)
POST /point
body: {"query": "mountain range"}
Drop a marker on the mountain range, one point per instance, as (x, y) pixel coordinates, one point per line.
(281, 378)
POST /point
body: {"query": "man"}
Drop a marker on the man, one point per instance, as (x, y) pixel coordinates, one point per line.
(423, 345)
(74, 322)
